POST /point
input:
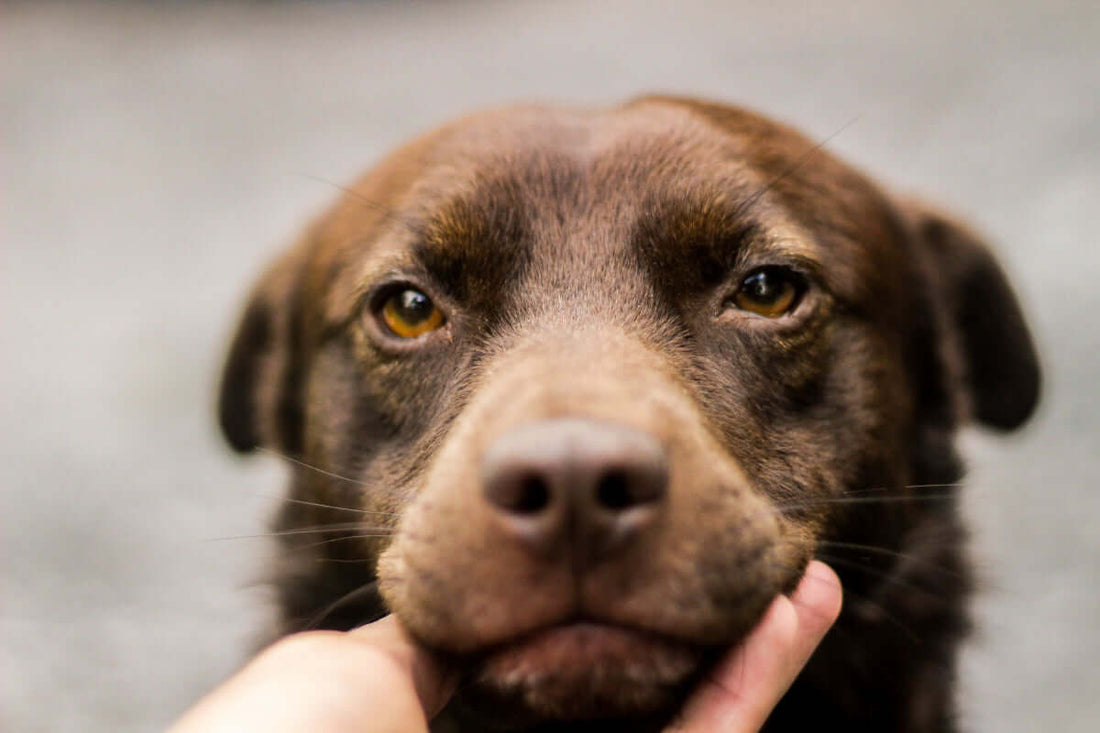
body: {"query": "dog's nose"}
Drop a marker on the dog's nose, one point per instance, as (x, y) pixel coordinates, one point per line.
(576, 485)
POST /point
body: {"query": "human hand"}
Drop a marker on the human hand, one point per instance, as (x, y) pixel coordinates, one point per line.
(739, 695)
(376, 680)
(373, 679)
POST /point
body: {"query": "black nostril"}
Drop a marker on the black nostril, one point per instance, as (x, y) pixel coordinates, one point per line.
(532, 495)
(613, 492)
(518, 492)
(624, 488)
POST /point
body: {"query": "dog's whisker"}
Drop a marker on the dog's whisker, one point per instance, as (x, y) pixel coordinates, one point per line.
(353, 595)
(818, 501)
(321, 505)
(875, 550)
(317, 529)
(879, 608)
(330, 474)
(873, 495)
(890, 578)
(343, 538)
(850, 594)
(877, 489)
(311, 467)
(388, 213)
(794, 166)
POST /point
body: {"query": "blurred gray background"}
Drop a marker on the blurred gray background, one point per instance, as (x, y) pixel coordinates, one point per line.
(154, 157)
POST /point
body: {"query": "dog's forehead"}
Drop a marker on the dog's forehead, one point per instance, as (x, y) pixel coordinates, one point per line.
(589, 179)
(546, 151)
(558, 180)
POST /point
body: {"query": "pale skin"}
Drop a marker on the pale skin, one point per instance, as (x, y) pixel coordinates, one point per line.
(374, 679)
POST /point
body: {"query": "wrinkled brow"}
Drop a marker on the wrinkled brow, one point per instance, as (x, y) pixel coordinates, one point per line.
(472, 242)
(701, 233)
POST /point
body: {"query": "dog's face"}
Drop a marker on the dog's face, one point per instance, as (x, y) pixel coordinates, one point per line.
(601, 381)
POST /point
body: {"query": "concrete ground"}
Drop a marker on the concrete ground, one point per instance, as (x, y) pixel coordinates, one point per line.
(154, 157)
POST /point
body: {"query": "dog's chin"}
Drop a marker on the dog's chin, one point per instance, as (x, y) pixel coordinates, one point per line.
(586, 670)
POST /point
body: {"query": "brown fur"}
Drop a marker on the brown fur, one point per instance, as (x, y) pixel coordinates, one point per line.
(585, 261)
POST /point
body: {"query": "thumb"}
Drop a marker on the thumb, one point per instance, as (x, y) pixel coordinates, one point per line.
(747, 684)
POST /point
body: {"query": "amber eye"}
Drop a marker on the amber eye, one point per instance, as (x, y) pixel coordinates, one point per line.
(409, 313)
(770, 291)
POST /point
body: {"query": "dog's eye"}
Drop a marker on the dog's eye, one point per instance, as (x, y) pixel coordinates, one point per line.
(409, 313)
(770, 291)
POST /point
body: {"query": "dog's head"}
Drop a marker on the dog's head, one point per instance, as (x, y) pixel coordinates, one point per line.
(586, 389)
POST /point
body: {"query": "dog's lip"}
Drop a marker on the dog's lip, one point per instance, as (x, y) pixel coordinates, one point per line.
(587, 641)
(587, 624)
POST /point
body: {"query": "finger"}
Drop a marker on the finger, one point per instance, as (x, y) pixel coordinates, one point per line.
(740, 692)
(434, 681)
(743, 689)
(373, 678)
(817, 601)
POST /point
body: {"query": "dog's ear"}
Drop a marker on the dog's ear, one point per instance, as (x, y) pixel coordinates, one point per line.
(997, 360)
(260, 402)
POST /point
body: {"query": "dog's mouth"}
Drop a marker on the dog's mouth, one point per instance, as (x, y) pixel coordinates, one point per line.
(587, 668)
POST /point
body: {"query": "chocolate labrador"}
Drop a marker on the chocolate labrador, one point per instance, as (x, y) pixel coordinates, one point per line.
(576, 393)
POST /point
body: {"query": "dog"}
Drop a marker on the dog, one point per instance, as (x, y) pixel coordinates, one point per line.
(575, 393)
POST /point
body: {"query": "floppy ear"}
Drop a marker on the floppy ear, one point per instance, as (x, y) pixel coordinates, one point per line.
(1000, 369)
(260, 403)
